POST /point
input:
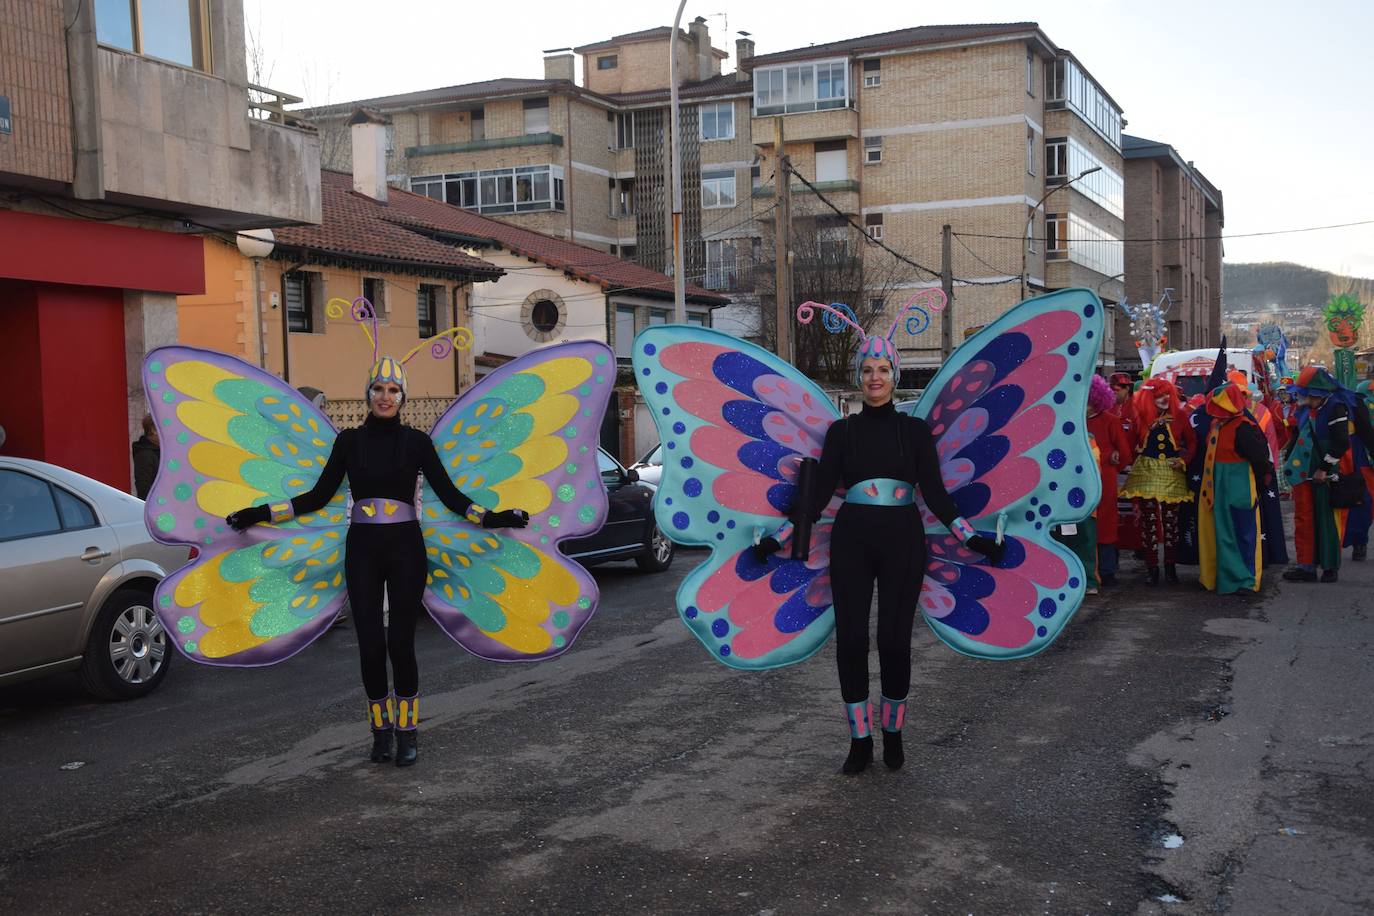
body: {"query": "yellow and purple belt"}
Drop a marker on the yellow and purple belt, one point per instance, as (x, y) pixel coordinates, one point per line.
(380, 511)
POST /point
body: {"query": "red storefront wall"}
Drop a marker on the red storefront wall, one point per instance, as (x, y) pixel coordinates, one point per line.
(63, 368)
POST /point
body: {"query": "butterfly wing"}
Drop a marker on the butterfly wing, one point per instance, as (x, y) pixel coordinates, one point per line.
(524, 437)
(1007, 413)
(233, 436)
(735, 421)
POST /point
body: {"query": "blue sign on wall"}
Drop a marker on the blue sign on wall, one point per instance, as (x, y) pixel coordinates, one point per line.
(5, 114)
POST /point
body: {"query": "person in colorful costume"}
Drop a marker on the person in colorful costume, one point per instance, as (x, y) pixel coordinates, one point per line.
(998, 457)
(1237, 470)
(1081, 537)
(272, 576)
(386, 555)
(1321, 443)
(884, 461)
(1123, 390)
(1164, 444)
(1114, 454)
(1359, 462)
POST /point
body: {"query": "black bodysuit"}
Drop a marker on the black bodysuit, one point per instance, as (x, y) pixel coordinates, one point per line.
(384, 458)
(885, 544)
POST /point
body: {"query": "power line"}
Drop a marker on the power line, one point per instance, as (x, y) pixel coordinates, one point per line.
(1178, 238)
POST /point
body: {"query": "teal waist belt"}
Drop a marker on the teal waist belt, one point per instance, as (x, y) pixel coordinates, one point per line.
(881, 491)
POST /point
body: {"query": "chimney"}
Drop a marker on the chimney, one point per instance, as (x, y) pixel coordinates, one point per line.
(559, 65)
(701, 46)
(744, 52)
(369, 152)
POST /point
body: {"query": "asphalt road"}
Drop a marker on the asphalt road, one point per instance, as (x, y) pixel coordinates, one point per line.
(635, 774)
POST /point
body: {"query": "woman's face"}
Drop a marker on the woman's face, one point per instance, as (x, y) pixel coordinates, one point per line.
(875, 378)
(386, 399)
(1122, 392)
(1162, 402)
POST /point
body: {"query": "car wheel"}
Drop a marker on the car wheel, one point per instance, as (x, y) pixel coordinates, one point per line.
(658, 553)
(127, 654)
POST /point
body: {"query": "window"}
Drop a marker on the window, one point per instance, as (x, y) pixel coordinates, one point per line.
(1057, 158)
(374, 291)
(699, 319)
(26, 506)
(624, 331)
(428, 300)
(1030, 230)
(1056, 240)
(611, 474)
(657, 316)
(755, 177)
(479, 124)
(876, 304)
(1067, 85)
(523, 189)
(873, 225)
(622, 197)
(76, 513)
(1030, 72)
(607, 62)
(300, 297)
(177, 31)
(873, 150)
(544, 316)
(718, 121)
(1030, 151)
(625, 130)
(717, 190)
(832, 240)
(724, 264)
(832, 161)
(801, 87)
(1092, 246)
(536, 116)
(873, 73)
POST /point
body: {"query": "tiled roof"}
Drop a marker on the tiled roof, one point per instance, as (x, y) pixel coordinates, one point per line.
(356, 225)
(662, 31)
(722, 85)
(466, 92)
(901, 38)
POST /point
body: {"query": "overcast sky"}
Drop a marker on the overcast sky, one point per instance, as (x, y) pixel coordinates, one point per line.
(1271, 99)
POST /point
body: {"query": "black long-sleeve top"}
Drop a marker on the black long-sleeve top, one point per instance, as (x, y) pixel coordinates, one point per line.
(1254, 448)
(881, 442)
(383, 459)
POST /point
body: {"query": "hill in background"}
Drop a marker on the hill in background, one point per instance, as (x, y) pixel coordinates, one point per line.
(1256, 287)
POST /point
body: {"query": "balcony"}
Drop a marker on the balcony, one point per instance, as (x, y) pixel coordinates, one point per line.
(469, 146)
(808, 126)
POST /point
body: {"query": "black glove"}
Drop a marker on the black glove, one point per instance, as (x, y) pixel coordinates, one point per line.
(247, 518)
(765, 549)
(506, 518)
(988, 548)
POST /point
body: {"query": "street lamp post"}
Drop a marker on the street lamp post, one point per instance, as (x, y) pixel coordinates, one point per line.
(674, 122)
(1025, 235)
(256, 244)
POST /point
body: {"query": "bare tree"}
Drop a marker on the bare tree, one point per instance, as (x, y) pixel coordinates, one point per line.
(832, 262)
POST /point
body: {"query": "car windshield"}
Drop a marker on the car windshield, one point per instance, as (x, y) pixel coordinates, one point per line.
(1190, 385)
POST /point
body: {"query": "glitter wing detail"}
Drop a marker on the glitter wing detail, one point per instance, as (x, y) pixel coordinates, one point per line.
(234, 436)
(735, 421)
(1007, 412)
(525, 437)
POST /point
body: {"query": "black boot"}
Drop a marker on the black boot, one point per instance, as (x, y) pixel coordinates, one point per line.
(1171, 573)
(893, 755)
(1360, 552)
(406, 751)
(1329, 575)
(381, 744)
(1152, 575)
(1108, 580)
(1300, 574)
(860, 756)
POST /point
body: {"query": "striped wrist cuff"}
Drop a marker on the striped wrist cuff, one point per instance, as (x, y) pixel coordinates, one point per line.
(281, 512)
(475, 514)
(783, 534)
(962, 529)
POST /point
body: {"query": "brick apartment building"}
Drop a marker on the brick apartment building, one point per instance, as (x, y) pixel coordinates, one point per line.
(904, 132)
(1169, 201)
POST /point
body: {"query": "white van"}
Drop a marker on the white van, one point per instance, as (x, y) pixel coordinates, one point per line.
(1189, 369)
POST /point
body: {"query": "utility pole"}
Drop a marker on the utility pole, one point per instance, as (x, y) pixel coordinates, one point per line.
(782, 245)
(675, 154)
(947, 284)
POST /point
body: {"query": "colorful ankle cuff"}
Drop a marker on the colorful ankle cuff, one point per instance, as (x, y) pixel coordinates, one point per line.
(892, 714)
(408, 713)
(860, 716)
(381, 714)
(281, 512)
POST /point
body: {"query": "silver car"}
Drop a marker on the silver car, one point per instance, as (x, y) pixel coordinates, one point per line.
(77, 572)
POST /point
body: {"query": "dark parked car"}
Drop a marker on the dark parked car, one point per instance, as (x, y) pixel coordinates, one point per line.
(630, 532)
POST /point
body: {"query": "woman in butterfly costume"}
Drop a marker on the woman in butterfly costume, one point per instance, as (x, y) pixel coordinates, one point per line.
(517, 444)
(915, 500)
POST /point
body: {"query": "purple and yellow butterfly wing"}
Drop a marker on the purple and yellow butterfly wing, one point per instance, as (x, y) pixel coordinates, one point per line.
(234, 436)
(524, 437)
(735, 421)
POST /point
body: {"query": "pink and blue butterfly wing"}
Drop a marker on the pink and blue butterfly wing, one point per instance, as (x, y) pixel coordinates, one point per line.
(1008, 415)
(734, 422)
